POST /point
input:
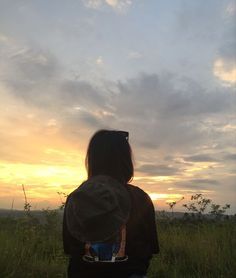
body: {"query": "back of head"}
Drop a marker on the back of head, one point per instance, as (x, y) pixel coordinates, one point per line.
(109, 153)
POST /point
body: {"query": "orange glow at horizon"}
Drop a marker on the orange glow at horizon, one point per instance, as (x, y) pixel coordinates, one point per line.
(47, 164)
(164, 196)
(43, 181)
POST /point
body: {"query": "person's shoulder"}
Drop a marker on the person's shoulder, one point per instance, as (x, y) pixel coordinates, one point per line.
(72, 195)
(133, 189)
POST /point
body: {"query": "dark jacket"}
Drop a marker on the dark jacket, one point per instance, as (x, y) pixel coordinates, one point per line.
(141, 243)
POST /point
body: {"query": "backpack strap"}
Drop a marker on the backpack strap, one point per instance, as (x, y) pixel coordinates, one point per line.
(121, 252)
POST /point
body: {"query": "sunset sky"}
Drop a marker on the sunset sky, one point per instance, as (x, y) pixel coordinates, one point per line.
(163, 70)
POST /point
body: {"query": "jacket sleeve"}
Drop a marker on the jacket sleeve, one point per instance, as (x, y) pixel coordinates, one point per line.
(152, 226)
(71, 245)
(142, 231)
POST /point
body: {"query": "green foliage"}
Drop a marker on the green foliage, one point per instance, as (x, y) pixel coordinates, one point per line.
(27, 205)
(173, 204)
(32, 247)
(198, 204)
(63, 197)
(195, 249)
(218, 210)
(189, 247)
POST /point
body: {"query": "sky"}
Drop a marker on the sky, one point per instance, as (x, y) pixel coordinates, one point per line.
(163, 70)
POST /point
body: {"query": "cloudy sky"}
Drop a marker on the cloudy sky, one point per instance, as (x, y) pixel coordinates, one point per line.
(163, 70)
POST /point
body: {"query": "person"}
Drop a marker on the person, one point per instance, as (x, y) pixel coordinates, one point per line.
(110, 169)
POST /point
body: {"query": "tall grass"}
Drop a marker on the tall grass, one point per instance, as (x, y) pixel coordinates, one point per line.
(200, 249)
(32, 247)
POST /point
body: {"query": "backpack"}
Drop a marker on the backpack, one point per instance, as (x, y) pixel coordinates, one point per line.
(96, 214)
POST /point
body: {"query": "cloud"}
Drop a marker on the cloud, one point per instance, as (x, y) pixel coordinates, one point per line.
(28, 72)
(160, 94)
(80, 93)
(117, 5)
(31, 64)
(193, 21)
(197, 185)
(224, 66)
(227, 45)
(93, 4)
(231, 9)
(3, 38)
(204, 181)
(84, 117)
(135, 55)
(99, 61)
(163, 116)
(230, 156)
(225, 71)
(182, 127)
(162, 111)
(165, 113)
(157, 170)
(200, 158)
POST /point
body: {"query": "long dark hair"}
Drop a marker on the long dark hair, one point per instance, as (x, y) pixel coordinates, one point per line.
(109, 153)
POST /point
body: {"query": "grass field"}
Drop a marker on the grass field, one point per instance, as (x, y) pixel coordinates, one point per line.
(199, 248)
